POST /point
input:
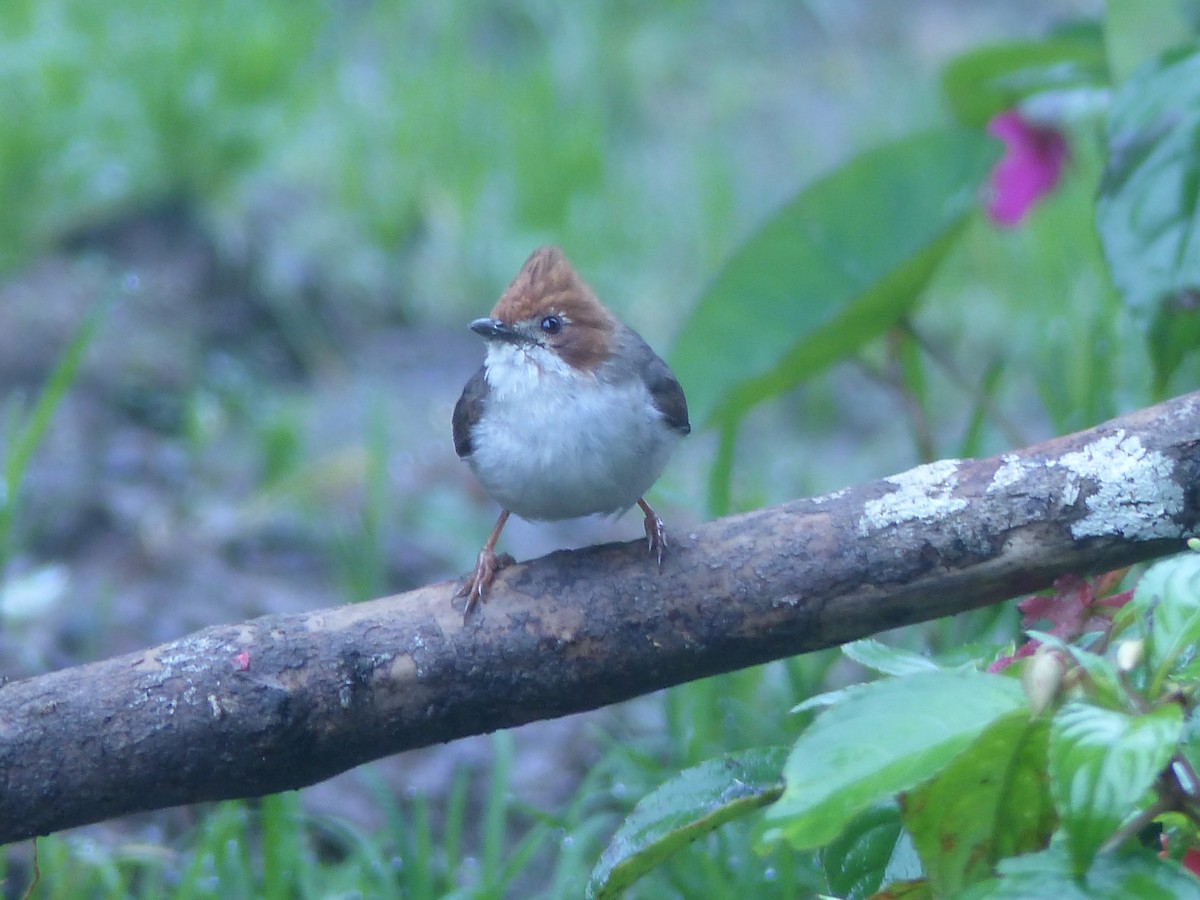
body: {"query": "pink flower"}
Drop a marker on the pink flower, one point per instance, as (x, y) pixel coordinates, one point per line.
(1034, 157)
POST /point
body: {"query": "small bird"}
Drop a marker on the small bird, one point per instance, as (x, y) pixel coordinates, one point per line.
(570, 414)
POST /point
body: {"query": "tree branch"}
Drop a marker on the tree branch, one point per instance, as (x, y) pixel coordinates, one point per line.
(284, 701)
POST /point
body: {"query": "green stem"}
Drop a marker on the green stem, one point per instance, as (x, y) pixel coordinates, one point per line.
(720, 479)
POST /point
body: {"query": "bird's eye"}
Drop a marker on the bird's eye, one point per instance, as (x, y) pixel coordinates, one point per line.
(551, 324)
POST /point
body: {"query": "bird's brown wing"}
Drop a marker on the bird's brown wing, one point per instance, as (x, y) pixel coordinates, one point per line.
(467, 411)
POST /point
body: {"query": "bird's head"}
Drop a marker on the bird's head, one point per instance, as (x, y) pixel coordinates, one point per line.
(548, 307)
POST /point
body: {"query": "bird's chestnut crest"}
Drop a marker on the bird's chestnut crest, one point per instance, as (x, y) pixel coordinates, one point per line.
(553, 307)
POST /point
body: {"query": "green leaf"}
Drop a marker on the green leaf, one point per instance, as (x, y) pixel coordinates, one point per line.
(906, 890)
(1189, 743)
(1135, 31)
(683, 809)
(887, 738)
(985, 81)
(18, 447)
(831, 698)
(989, 803)
(1102, 763)
(838, 265)
(1174, 333)
(887, 659)
(873, 848)
(1111, 877)
(1148, 210)
(1168, 595)
(981, 410)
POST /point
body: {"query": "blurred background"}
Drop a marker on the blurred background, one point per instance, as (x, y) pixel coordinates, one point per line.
(239, 246)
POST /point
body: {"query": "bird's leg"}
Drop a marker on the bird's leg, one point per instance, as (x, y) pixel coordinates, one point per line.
(656, 532)
(476, 586)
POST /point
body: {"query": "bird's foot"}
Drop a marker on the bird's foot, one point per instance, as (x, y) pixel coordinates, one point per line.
(476, 585)
(656, 533)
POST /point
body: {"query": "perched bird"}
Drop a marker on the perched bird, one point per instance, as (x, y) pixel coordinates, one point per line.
(570, 414)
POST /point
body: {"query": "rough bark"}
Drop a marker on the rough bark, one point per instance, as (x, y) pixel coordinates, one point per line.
(284, 701)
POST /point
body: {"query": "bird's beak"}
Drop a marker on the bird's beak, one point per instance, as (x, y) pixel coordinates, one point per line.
(495, 330)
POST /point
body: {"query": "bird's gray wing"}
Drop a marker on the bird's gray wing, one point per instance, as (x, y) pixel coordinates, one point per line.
(664, 389)
(467, 411)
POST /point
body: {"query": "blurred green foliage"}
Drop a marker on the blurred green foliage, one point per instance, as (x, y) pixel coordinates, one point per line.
(837, 267)
(978, 788)
(111, 107)
(1148, 207)
(403, 156)
(23, 430)
(988, 80)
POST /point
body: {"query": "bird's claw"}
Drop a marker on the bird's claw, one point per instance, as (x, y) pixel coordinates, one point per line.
(656, 536)
(476, 585)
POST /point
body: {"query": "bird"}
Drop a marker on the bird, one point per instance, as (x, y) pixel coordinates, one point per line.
(571, 413)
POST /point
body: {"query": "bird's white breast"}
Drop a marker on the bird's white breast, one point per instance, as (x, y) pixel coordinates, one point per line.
(556, 443)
